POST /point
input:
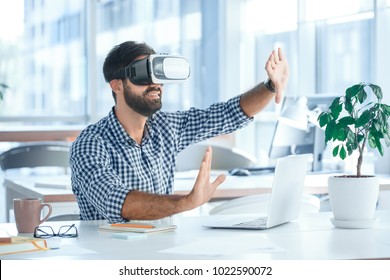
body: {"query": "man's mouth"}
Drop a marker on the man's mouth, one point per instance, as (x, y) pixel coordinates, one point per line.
(153, 93)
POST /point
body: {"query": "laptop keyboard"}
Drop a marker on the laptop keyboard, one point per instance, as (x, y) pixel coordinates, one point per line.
(259, 222)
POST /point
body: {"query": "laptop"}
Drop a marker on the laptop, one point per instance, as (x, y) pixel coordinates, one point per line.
(285, 199)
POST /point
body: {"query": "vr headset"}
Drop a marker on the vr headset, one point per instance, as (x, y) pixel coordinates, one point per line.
(156, 69)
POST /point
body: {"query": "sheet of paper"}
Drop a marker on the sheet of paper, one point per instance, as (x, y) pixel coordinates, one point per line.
(64, 252)
(226, 245)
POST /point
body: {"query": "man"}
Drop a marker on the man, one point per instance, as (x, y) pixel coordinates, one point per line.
(123, 166)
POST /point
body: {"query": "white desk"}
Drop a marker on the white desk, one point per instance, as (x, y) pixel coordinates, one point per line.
(64, 201)
(310, 237)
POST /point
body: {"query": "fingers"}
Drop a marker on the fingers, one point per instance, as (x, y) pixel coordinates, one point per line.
(281, 55)
(277, 70)
(278, 98)
(203, 189)
(205, 166)
(207, 159)
(219, 180)
(204, 171)
(268, 66)
(275, 57)
(272, 60)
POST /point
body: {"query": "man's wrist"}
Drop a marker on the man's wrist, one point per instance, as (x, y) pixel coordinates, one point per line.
(269, 85)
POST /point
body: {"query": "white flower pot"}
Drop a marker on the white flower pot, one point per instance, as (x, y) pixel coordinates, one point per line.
(353, 198)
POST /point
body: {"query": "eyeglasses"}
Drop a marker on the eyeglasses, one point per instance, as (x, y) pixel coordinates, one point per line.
(68, 231)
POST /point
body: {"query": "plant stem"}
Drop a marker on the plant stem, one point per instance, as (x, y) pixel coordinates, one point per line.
(359, 165)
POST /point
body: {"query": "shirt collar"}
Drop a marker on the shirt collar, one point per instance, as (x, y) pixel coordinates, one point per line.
(117, 129)
(120, 133)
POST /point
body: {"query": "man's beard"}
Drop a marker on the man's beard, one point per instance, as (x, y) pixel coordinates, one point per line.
(141, 104)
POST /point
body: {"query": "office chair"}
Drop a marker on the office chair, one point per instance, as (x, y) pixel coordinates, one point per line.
(34, 155)
(255, 204)
(224, 158)
(37, 154)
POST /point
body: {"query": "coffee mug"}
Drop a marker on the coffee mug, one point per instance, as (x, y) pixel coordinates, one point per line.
(28, 213)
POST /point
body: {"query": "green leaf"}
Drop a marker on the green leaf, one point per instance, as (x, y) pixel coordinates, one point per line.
(335, 151)
(371, 142)
(336, 107)
(381, 121)
(335, 102)
(343, 153)
(363, 119)
(377, 91)
(351, 136)
(376, 124)
(354, 90)
(350, 149)
(351, 141)
(360, 137)
(348, 106)
(379, 146)
(347, 120)
(376, 133)
(329, 130)
(340, 133)
(337, 110)
(362, 96)
(386, 109)
(324, 118)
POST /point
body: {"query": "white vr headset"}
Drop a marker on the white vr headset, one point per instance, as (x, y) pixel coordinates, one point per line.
(156, 69)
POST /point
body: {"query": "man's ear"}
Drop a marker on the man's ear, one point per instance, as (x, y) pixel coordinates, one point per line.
(116, 85)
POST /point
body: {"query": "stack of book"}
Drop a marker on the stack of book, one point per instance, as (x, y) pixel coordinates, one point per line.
(19, 244)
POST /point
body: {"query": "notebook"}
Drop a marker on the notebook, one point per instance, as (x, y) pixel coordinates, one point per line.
(285, 199)
(137, 227)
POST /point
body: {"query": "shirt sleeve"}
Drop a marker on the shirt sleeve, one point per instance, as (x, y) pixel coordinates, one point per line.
(196, 125)
(94, 182)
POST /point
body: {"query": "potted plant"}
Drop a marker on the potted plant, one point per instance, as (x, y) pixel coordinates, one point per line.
(354, 120)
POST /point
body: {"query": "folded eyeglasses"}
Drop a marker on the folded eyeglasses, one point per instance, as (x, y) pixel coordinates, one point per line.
(67, 231)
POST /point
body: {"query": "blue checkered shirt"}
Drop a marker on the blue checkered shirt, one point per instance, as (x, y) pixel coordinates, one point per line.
(106, 163)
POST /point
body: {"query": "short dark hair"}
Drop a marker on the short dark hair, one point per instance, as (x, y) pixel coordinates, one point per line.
(122, 55)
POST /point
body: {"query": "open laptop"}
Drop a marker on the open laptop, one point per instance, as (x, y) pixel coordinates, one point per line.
(285, 199)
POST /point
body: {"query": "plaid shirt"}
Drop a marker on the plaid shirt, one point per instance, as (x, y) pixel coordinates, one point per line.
(106, 163)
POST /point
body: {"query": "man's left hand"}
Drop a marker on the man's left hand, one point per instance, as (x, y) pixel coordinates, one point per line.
(278, 72)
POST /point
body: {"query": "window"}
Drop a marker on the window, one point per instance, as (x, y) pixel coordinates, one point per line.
(329, 45)
(54, 68)
(172, 27)
(50, 66)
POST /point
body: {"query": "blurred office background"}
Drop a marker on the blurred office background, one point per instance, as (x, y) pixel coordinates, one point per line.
(51, 55)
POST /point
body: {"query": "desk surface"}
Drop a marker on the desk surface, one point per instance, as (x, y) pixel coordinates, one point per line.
(233, 187)
(39, 133)
(312, 236)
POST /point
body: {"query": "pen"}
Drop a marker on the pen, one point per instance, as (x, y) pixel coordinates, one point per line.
(133, 225)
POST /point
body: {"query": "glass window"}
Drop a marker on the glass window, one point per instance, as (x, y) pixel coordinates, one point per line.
(44, 60)
(344, 55)
(329, 45)
(263, 33)
(327, 9)
(265, 16)
(50, 65)
(172, 27)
